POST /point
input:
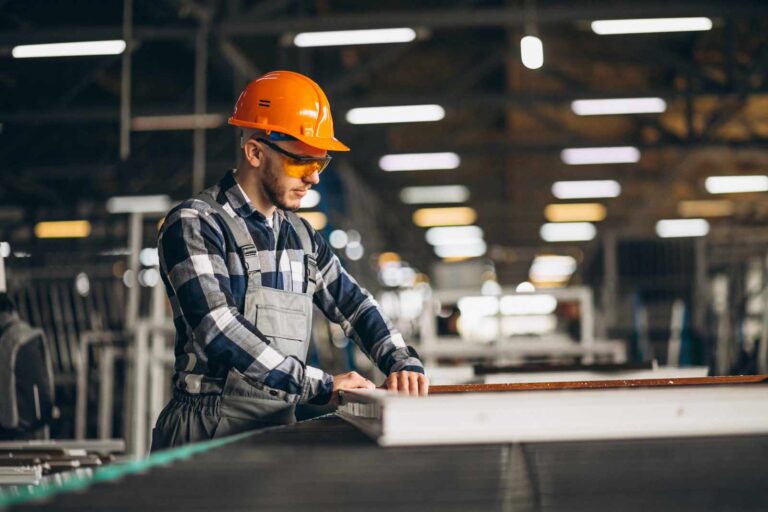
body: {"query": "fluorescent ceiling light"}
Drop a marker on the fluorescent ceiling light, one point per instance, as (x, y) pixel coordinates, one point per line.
(120, 251)
(706, 208)
(399, 114)
(478, 306)
(618, 106)
(607, 155)
(525, 287)
(586, 189)
(586, 212)
(458, 216)
(139, 204)
(149, 257)
(338, 238)
(650, 25)
(78, 49)
(678, 228)
(352, 37)
(533, 324)
(490, 287)
(181, 122)
(434, 194)
(469, 249)
(353, 237)
(310, 199)
(532, 52)
(389, 258)
(419, 161)
(736, 184)
(550, 267)
(527, 305)
(317, 220)
(453, 235)
(568, 232)
(396, 275)
(63, 229)
(149, 277)
(354, 251)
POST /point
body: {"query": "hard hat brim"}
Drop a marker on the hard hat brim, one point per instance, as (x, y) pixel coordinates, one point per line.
(332, 144)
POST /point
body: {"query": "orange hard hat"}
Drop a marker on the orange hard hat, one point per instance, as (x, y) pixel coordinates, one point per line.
(288, 103)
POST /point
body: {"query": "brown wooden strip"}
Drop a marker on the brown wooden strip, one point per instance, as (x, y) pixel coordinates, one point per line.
(599, 384)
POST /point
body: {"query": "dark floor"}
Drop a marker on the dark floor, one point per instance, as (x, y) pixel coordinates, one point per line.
(328, 465)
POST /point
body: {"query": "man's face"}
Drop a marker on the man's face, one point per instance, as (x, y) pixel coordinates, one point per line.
(285, 191)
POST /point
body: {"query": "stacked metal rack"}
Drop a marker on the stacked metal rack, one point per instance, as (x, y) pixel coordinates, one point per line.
(27, 464)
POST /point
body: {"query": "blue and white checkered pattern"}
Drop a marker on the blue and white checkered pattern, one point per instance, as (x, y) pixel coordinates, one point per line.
(205, 281)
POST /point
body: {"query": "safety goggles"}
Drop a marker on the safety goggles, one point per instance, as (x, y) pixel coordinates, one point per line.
(299, 166)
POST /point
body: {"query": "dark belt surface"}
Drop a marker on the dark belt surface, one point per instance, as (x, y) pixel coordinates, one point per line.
(328, 465)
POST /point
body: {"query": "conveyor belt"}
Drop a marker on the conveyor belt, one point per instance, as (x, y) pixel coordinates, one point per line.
(328, 465)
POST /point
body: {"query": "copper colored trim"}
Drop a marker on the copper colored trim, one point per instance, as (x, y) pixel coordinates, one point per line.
(599, 384)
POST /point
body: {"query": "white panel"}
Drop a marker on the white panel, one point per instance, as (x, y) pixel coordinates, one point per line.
(568, 415)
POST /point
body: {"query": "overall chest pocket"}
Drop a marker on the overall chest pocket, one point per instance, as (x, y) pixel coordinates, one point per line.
(281, 323)
(285, 318)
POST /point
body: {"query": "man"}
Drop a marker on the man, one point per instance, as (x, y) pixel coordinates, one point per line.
(242, 271)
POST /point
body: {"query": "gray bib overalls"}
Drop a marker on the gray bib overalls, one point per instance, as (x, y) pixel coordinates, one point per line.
(283, 317)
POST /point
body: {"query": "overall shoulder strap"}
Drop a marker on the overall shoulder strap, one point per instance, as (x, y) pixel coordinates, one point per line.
(247, 250)
(310, 261)
(302, 230)
(245, 245)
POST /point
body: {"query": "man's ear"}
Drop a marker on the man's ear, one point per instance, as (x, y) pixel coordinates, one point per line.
(253, 153)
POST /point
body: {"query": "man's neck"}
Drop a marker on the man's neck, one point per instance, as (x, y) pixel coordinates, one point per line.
(254, 192)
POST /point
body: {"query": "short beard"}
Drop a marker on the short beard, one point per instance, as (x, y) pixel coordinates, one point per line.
(273, 191)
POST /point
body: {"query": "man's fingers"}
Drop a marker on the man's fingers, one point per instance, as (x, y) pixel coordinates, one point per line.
(352, 380)
(358, 381)
(407, 383)
(413, 383)
(404, 383)
(424, 385)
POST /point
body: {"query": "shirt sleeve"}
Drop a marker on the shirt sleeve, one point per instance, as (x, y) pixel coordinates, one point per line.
(192, 256)
(345, 302)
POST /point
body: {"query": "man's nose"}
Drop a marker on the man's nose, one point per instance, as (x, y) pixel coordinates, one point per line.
(313, 178)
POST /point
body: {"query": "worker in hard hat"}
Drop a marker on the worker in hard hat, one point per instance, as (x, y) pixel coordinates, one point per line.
(242, 272)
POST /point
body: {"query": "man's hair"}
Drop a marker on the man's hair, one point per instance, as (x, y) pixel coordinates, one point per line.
(248, 133)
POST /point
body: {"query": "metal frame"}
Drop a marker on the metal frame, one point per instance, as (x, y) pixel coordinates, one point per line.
(111, 345)
(432, 346)
(3, 284)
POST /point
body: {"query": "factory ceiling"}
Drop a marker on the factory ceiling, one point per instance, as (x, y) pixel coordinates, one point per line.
(60, 146)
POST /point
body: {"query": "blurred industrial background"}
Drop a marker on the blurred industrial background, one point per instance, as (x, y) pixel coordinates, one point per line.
(550, 184)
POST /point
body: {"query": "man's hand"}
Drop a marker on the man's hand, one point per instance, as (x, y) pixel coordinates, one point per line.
(349, 380)
(408, 383)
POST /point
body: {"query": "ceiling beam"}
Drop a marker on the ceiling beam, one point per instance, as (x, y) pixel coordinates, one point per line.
(561, 11)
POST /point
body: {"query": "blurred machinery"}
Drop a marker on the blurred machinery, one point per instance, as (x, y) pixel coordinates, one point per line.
(509, 326)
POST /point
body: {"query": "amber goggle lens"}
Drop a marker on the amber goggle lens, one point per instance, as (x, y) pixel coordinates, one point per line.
(303, 169)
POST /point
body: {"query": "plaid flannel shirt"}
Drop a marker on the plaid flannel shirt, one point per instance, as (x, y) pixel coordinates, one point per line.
(205, 280)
